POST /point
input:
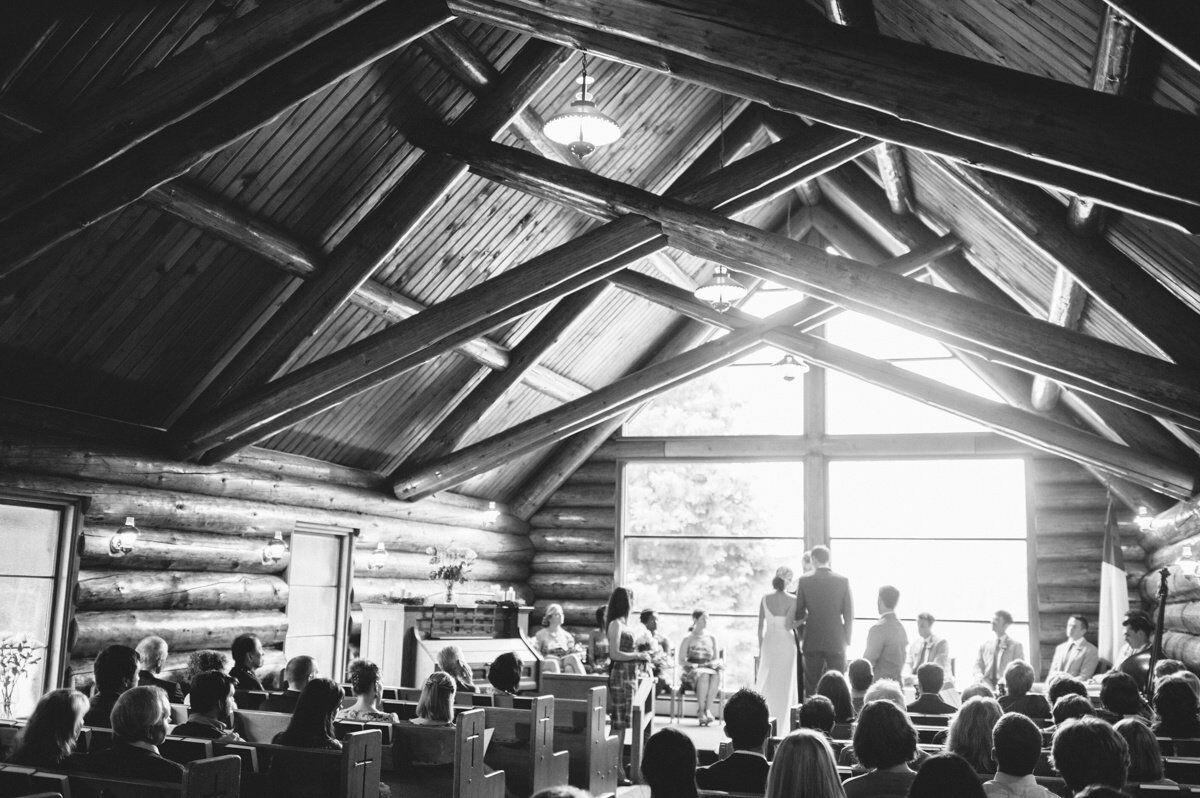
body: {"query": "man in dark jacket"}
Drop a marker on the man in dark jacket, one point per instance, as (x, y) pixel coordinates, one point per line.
(300, 670)
(747, 722)
(825, 607)
(115, 671)
(930, 678)
(212, 709)
(247, 653)
(139, 724)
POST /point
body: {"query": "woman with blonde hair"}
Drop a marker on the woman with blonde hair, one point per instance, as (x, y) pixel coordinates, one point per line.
(700, 665)
(451, 660)
(970, 734)
(436, 705)
(804, 768)
(52, 731)
(556, 645)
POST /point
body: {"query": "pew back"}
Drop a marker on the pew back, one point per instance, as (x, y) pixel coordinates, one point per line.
(571, 685)
(219, 777)
(581, 729)
(523, 746)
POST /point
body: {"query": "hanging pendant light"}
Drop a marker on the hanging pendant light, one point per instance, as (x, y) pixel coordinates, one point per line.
(790, 368)
(721, 290)
(582, 128)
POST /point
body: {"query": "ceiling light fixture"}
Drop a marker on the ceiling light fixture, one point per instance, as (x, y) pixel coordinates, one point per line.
(721, 290)
(582, 128)
(791, 368)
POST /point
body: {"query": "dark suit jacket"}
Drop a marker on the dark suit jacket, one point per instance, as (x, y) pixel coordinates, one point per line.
(1030, 705)
(173, 690)
(931, 704)
(245, 678)
(739, 772)
(281, 702)
(824, 603)
(128, 762)
(98, 715)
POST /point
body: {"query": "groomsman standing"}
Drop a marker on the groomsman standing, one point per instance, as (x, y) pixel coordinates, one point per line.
(995, 654)
(826, 610)
(1075, 657)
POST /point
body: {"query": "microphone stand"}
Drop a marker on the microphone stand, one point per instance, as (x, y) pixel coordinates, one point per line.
(1156, 651)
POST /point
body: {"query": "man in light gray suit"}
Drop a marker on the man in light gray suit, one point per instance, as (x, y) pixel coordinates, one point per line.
(887, 642)
(826, 610)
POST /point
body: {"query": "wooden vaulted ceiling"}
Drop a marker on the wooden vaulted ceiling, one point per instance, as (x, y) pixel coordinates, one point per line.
(139, 316)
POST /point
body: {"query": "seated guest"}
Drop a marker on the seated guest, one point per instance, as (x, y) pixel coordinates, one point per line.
(364, 683)
(451, 660)
(115, 671)
(556, 644)
(299, 776)
(300, 671)
(977, 691)
(597, 648)
(669, 764)
(1167, 667)
(928, 647)
(504, 674)
(930, 678)
(970, 734)
(1121, 698)
(1138, 633)
(206, 660)
(139, 723)
(1075, 656)
(817, 713)
(51, 732)
(212, 709)
(1176, 706)
(1061, 685)
(1018, 677)
(153, 653)
(946, 776)
(891, 692)
(887, 642)
(1190, 679)
(1089, 751)
(997, 651)
(562, 791)
(1100, 791)
(884, 741)
(1070, 707)
(247, 654)
(860, 676)
(1016, 747)
(436, 704)
(747, 723)
(833, 686)
(803, 768)
(1145, 758)
(661, 652)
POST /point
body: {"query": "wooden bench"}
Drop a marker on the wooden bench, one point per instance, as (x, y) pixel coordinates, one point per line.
(570, 685)
(1184, 770)
(462, 744)
(523, 746)
(581, 729)
(16, 780)
(358, 764)
(218, 777)
(576, 686)
(1173, 746)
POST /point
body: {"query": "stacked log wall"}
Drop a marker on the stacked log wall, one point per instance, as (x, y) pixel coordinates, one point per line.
(1069, 514)
(196, 576)
(1164, 540)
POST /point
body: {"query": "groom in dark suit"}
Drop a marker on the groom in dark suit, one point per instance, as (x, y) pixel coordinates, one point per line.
(824, 606)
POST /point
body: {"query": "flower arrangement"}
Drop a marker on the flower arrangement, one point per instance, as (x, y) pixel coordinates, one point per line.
(17, 656)
(451, 565)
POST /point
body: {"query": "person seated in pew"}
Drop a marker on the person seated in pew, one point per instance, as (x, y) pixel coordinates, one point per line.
(1089, 751)
(669, 764)
(930, 678)
(50, 734)
(861, 677)
(883, 690)
(1016, 748)
(1176, 706)
(1190, 679)
(140, 720)
(747, 722)
(977, 690)
(562, 791)
(1060, 685)
(1070, 707)
(885, 741)
(451, 660)
(300, 671)
(206, 660)
(297, 775)
(1167, 667)
(504, 674)
(833, 686)
(247, 654)
(556, 645)
(115, 671)
(1120, 698)
(597, 647)
(212, 709)
(1145, 758)
(1100, 791)
(816, 713)
(435, 707)
(946, 776)
(970, 733)
(1018, 677)
(364, 683)
(152, 651)
(803, 768)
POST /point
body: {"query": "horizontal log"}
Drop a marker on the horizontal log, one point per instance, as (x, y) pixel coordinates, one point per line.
(1173, 525)
(179, 550)
(588, 540)
(570, 562)
(1056, 469)
(157, 590)
(575, 518)
(373, 591)
(1081, 522)
(1183, 647)
(571, 586)
(594, 473)
(183, 631)
(1052, 547)
(576, 495)
(414, 565)
(1066, 496)
(575, 613)
(1078, 595)
(1170, 553)
(1083, 573)
(175, 669)
(1180, 588)
(1183, 617)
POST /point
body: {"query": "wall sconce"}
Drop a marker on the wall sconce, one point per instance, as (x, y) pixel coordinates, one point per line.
(274, 551)
(493, 514)
(124, 540)
(378, 558)
(1143, 519)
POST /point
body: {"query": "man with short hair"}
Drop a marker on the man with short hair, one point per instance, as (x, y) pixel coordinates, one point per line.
(928, 647)
(747, 723)
(300, 671)
(887, 642)
(212, 709)
(997, 652)
(247, 654)
(1139, 631)
(153, 653)
(817, 713)
(1090, 751)
(662, 655)
(115, 671)
(1076, 656)
(1018, 678)
(930, 678)
(139, 723)
(825, 608)
(1016, 746)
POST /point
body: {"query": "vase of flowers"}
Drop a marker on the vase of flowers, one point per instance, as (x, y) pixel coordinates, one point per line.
(18, 655)
(451, 566)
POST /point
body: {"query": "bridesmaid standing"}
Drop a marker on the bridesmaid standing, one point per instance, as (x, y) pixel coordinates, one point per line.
(627, 665)
(777, 647)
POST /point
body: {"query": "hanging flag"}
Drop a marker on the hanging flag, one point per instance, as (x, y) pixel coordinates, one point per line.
(1114, 592)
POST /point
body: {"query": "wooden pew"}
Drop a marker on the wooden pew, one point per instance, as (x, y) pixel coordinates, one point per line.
(184, 750)
(219, 777)
(581, 729)
(17, 780)
(259, 727)
(570, 685)
(358, 764)
(523, 746)
(463, 744)
(641, 720)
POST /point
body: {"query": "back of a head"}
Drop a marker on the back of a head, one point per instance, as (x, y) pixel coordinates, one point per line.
(804, 767)
(363, 675)
(931, 677)
(115, 669)
(299, 670)
(209, 690)
(861, 674)
(312, 720)
(1119, 693)
(49, 736)
(886, 690)
(884, 736)
(562, 791)
(241, 646)
(833, 686)
(978, 690)
(1071, 706)
(1089, 751)
(505, 672)
(1165, 667)
(1062, 685)
(1100, 791)
(970, 733)
(619, 603)
(747, 720)
(600, 616)
(669, 764)
(437, 698)
(139, 715)
(152, 651)
(1145, 758)
(817, 713)
(207, 660)
(820, 555)
(1017, 742)
(1018, 677)
(1174, 700)
(889, 597)
(946, 776)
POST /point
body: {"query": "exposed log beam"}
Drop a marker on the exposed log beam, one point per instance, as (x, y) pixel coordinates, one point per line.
(1045, 132)
(326, 382)
(149, 102)
(1066, 309)
(1089, 364)
(1175, 24)
(127, 177)
(797, 447)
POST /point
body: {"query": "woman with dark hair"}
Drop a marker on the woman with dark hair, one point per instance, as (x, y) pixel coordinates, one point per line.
(884, 741)
(946, 776)
(299, 776)
(628, 664)
(860, 674)
(504, 674)
(776, 679)
(364, 682)
(597, 648)
(833, 686)
(970, 734)
(50, 735)
(1176, 706)
(1145, 758)
(1121, 698)
(669, 764)
(700, 665)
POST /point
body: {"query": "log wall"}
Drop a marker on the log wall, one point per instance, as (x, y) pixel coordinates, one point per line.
(1163, 541)
(196, 577)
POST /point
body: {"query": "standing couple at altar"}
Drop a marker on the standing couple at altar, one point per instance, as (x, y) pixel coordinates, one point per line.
(820, 611)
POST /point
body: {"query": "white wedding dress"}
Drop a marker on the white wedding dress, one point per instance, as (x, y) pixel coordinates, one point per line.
(777, 666)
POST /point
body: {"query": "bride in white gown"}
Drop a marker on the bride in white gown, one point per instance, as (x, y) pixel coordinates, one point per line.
(777, 648)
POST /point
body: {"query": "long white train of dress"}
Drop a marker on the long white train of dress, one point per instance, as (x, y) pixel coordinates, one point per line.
(777, 668)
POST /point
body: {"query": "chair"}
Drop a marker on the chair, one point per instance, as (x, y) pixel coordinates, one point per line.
(678, 692)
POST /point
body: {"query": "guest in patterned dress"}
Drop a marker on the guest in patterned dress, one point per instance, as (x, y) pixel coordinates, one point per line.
(364, 681)
(628, 666)
(557, 645)
(698, 659)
